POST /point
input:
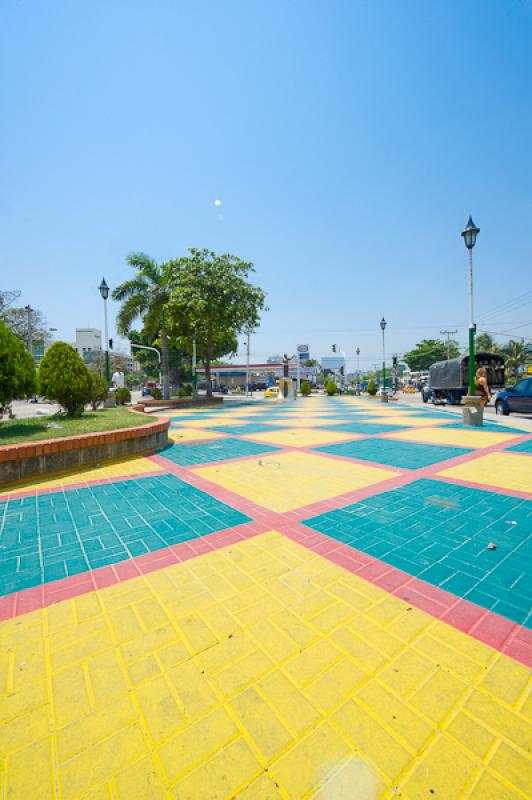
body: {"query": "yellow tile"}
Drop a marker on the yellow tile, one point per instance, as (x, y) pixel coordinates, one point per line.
(116, 469)
(159, 709)
(192, 688)
(85, 732)
(506, 679)
(514, 766)
(264, 727)
(335, 685)
(489, 788)
(197, 742)
(402, 720)
(372, 739)
(25, 729)
(306, 666)
(353, 772)
(180, 435)
(302, 437)
(503, 470)
(233, 768)
(356, 647)
(435, 649)
(306, 421)
(209, 422)
(443, 771)
(30, 772)
(471, 734)
(403, 674)
(97, 763)
(454, 436)
(496, 717)
(276, 644)
(310, 762)
(140, 781)
(438, 695)
(241, 673)
(293, 708)
(263, 788)
(290, 480)
(70, 695)
(196, 633)
(410, 420)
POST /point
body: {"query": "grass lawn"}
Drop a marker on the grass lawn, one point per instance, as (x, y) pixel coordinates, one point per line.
(32, 429)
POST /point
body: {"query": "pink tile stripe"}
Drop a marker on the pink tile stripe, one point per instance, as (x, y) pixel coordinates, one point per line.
(498, 632)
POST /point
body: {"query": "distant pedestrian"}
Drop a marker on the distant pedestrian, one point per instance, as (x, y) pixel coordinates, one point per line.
(118, 380)
(482, 388)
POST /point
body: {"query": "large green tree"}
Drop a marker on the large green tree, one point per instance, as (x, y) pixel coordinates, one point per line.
(64, 377)
(212, 301)
(427, 352)
(146, 296)
(516, 355)
(17, 369)
(484, 343)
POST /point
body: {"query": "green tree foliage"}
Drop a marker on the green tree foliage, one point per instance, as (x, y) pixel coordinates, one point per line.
(484, 343)
(146, 296)
(17, 369)
(427, 352)
(516, 355)
(212, 301)
(63, 377)
(99, 390)
(311, 362)
(305, 388)
(372, 387)
(330, 387)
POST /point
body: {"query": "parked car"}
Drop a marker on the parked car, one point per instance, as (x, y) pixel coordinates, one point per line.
(515, 398)
(148, 387)
(272, 391)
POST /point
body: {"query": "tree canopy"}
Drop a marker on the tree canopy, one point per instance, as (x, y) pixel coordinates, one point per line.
(212, 301)
(64, 377)
(17, 369)
(428, 351)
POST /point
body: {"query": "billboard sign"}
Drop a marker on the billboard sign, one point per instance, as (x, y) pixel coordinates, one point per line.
(303, 352)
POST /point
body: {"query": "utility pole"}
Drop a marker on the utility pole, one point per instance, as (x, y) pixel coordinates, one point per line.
(448, 334)
(28, 309)
(194, 374)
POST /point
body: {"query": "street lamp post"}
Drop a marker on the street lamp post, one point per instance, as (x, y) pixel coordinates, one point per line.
(248, 332)
(470, 234)
(358, 370)
(29, 310)
(104, 291)
(384, 397)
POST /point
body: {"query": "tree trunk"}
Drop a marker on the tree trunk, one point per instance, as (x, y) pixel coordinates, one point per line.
(164, 365)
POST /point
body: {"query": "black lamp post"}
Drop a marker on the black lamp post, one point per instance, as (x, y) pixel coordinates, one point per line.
(104, 291)
(470, 234)
(384, 397)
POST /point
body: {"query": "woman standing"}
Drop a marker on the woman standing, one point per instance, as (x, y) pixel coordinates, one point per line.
(482, 388)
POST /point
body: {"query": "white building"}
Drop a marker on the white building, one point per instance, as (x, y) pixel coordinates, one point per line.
(88, 340)
(334, 363)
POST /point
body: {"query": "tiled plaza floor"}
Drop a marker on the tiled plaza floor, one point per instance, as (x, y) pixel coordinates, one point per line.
(329, 599)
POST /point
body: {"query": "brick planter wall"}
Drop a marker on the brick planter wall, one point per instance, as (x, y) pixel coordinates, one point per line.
(31, 459)
(178, 402)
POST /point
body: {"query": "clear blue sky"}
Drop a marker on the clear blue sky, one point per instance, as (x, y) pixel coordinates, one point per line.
(348, 143)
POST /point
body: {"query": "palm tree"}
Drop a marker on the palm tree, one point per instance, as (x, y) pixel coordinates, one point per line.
(146, 296)
(516, 355)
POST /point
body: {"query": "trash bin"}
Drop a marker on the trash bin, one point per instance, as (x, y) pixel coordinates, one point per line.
(473, 411)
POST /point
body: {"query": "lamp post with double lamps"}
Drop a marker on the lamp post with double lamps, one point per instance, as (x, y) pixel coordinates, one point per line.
(104, 291)
(470, 234)
(384, 396)
(358, 370)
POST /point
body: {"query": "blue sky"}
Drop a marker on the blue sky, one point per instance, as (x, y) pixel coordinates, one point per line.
(348, 143)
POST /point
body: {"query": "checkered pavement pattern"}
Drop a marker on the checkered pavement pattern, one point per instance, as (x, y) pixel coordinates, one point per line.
(322, 599)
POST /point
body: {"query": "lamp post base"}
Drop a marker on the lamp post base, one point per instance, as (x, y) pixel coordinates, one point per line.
(473, 411)
(384, 397)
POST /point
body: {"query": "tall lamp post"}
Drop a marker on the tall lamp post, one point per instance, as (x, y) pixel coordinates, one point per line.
(104, 291)
(470, 234)
(384, 397)
(358, 369)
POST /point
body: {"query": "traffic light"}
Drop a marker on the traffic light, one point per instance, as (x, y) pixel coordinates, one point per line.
(110, 344)
(334, 348)
(395, 361)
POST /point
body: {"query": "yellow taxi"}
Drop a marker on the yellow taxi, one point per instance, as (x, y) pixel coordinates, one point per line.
(272, 391)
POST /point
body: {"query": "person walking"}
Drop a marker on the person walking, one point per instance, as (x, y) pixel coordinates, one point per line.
(118, 379)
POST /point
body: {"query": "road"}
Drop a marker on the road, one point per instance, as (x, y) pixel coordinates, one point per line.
(513, 420)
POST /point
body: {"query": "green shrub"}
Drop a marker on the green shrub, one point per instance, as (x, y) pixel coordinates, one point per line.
(63, 377)
(330, 387)
(17, 369)
(99, 390)
(305, 388)
(156, 394)
(122, 396)
(182, 392)
(372, 388)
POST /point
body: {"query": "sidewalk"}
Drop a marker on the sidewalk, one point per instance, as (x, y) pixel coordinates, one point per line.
(291, 601)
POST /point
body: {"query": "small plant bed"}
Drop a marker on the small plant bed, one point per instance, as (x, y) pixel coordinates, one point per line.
(16, 431)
